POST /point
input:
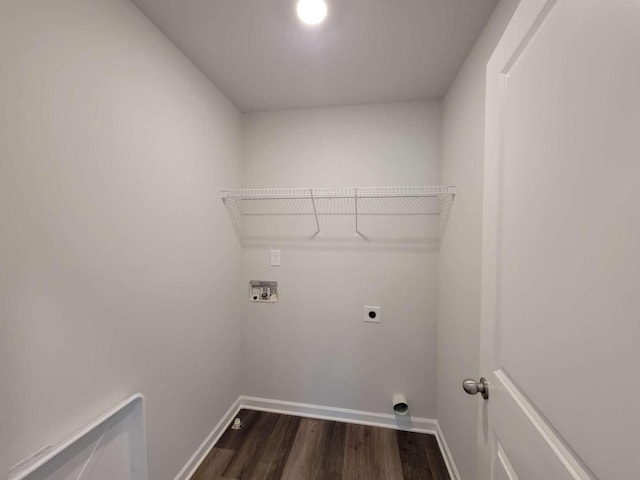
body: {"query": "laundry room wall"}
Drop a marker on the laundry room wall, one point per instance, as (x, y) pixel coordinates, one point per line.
(117, 274)
(313, 345)
(460, 255)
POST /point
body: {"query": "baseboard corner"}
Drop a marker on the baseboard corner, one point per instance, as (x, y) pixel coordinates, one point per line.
(207, 445)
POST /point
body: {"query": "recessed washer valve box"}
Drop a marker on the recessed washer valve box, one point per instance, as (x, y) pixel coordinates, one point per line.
(263, 291)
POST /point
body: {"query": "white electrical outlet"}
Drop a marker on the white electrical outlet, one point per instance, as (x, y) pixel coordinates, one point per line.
(372, 314)
(275, 258)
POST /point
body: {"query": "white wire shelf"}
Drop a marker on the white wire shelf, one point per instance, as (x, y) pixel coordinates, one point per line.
(319, 204)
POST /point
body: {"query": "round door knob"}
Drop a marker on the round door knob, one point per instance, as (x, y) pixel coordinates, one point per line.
(472, 387)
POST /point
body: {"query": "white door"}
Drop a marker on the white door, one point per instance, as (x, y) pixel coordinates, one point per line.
(561, 253)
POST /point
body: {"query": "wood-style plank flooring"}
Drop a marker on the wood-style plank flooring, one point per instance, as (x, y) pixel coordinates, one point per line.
(271, 446)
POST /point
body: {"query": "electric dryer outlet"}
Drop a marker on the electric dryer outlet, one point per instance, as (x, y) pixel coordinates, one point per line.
(372, 314)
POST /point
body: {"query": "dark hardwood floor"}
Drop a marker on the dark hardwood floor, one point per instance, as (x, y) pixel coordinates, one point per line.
(271, 446)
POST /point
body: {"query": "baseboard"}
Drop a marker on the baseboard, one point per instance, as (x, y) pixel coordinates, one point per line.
(407, 423)
(446, 453)
(205, 447)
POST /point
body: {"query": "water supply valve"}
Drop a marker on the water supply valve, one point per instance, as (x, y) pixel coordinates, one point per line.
(263, 291)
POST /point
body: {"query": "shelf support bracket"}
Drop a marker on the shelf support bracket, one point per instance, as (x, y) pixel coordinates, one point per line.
(315, 213)
(355, 198)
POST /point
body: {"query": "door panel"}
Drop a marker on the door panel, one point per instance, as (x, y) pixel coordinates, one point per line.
(561, 286)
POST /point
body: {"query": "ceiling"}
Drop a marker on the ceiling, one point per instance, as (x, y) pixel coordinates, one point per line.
(367, 51)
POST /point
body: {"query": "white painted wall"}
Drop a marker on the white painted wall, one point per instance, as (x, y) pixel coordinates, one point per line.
(119, 272)
(460, 255)
(313, 346)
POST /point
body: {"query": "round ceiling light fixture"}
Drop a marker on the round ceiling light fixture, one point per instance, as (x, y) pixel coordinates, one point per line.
(312, 12)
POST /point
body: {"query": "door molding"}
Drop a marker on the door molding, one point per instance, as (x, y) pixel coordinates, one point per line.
(547, 432)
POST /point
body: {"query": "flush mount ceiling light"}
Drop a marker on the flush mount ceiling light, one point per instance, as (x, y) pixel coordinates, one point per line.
(312, 12)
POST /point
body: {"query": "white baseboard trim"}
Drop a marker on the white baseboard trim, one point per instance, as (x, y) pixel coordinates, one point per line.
(446, 454)
(205, 447)
(384, 420)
